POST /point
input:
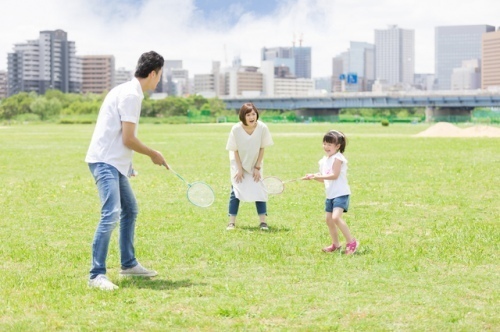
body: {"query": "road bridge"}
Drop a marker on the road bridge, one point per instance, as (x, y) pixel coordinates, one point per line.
(436, 103)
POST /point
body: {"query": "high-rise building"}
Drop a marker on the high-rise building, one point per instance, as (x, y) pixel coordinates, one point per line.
(303, 61)
(354, 70)
(490, 75)
(468, 76)
(243, 81)
(297, 59)
(123, 75)
(175, 78)
(98, 73)
(49, 62)
(3, 84)
(454, 44)
(340, 65)
(210, 85)
(395, 55)
(424, 81)
(290, 86)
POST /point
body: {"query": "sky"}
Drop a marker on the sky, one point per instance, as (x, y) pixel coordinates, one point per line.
(201, 31)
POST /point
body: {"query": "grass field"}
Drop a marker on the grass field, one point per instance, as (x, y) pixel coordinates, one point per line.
(426, 211)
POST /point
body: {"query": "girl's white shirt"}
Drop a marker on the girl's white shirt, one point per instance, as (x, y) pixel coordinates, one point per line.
(248, 147)
(339, 187)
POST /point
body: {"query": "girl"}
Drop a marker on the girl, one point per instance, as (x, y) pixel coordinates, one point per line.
(246, 144)
(333, 173)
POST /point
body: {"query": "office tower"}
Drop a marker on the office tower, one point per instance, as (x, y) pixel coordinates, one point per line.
(3, 84)
(175, 78)
(424, 81)
(490, 75)
(302, 57)
(354, 70)
(454, 44)
(297, 59)
(323, 84)
(468, 76)
(210, 85)
(340, 65)
(98, 73)
(243, 81)
(48, 62)
(123, 75)
(395, 55)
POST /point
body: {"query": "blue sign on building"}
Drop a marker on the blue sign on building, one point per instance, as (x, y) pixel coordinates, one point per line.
(352, 78)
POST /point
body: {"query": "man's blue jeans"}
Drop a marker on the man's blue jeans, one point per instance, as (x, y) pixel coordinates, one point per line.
(118, 203)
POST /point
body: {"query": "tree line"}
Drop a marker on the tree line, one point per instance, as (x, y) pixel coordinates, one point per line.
(55, 103)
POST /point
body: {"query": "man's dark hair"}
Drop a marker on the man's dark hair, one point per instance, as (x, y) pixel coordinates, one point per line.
(148, 62)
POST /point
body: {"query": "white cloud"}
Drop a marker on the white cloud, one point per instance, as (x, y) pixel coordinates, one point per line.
(177, 30)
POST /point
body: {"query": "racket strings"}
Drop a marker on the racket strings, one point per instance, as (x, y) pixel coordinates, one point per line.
(273, 185)
(200, 194)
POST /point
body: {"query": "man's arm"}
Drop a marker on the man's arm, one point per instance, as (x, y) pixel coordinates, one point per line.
(133, 143)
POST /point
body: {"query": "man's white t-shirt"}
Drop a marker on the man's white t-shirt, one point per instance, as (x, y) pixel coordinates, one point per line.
(122, 104)
(339, 187)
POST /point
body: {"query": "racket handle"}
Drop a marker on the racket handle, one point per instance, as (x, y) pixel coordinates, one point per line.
(177, 174)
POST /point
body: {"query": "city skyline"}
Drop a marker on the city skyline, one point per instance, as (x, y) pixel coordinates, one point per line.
(199, 32)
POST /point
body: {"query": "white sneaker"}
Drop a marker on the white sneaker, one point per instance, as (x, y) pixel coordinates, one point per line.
(138, 271)
(102, 282)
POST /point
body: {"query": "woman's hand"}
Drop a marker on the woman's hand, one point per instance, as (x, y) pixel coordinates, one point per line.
(239, 176)
(256, 175)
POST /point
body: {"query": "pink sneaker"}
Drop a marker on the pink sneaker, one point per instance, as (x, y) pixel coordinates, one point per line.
(351, 247)
(331, 248)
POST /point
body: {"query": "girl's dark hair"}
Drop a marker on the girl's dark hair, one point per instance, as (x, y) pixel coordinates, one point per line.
(336, 137)
(245, 109)
(148, 62)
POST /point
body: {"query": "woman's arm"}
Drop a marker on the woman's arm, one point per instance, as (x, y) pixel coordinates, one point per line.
(258, 165)
(239, 174)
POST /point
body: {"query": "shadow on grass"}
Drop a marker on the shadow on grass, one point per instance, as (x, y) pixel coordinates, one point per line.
(270, 230)
(154, 283)
(361, 251)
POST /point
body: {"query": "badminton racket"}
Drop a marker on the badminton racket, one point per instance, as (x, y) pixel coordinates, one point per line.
(198, 193)
(274, 185)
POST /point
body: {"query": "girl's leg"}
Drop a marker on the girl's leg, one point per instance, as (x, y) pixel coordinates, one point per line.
(341, 224)
(332, 228)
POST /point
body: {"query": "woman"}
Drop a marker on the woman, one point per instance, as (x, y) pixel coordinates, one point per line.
(246, 144)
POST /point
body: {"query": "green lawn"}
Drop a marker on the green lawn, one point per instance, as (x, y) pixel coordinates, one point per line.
(426, 211)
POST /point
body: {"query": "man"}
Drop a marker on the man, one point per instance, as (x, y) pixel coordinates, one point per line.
(110, 161)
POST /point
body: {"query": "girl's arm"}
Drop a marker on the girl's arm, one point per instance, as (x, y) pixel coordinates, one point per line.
(337, 165)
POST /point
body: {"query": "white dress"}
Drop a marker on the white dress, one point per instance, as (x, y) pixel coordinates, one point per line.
(248, 147)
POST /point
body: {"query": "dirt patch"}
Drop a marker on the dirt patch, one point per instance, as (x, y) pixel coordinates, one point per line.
(445, 129)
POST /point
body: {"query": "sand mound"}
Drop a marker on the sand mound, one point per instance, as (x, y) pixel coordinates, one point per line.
(445, 129)
(481, 131)
(441, 129)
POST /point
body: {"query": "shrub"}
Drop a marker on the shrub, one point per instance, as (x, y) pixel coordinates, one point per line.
(384, 122)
